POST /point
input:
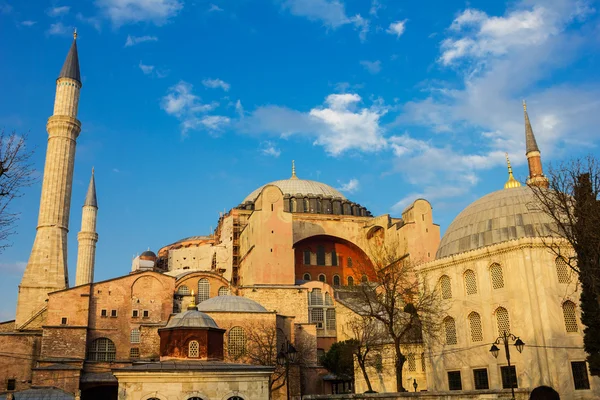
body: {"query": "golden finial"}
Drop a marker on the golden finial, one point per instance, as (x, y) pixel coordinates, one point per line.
(92, 170)
(294, 170)
(512, 182)
(75, 34)
(192, 305)
(524, 105)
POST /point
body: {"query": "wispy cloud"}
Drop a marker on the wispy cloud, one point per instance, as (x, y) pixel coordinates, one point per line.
(375, 7)
(350, 187)
(93, 21)
(268, 148)
(397, 28)
(214, 7)
(146, 69)
(215, 122)
(133, 40)
(28, 23)
(13, 268)
(59, 29)
(239, 109)
(122, 12)
(374, 67)
(58, 11)
(216, 83)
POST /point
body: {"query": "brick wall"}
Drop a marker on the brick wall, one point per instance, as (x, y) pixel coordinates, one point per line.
(18, 352)
(64, 342)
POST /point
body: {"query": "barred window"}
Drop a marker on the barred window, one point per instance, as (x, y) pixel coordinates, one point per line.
(316, 298)
(423, 362)
(349, 262)
(480, 376)
(336, 280)
(580, 375)
(502, 321)
(322, 277)
(102, 349)
(306, 257)
(134, 352)
(330, 322)
(316, 316)
(203, 290)
(213, 263)
(446, 287)
(497, 276)
(454, 380)
(410, 359)
(568, 308)
(306, 277)
(450, 328)
(236, 342)
(328, 300)
(562, 270)
(470, 282)
(135, 336)
(509, 377)
(193, 349)
(350, 281)
(223, 291)
(475, 325)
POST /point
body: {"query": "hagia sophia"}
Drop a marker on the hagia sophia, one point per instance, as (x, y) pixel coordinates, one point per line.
(206, 317)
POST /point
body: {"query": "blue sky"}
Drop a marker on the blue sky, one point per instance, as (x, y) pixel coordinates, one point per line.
(188, 106)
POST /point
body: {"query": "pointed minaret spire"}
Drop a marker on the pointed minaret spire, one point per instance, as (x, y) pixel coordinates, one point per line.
(70, 68)
(87, 237)
(511, 182)
(532, 151)
(294, 170)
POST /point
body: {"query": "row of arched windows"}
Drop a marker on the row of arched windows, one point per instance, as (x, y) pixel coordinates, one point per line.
(200, 398)
(470, 281)
(337, 281)
(203, 290)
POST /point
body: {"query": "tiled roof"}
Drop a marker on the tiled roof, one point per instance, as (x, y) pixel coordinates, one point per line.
(294, 186)
(230, 304)
(70, 68)
(41, 394)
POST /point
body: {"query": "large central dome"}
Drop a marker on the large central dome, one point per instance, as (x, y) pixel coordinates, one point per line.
(294, 186)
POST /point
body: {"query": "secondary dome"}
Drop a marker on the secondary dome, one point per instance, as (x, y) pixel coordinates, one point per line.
(230, 304)
(495, 218)
(191, 319)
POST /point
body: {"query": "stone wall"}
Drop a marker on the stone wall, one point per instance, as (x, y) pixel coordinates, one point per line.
(18, 352)
(520, 394)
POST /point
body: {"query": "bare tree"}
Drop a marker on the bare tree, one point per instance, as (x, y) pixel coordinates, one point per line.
(398, 300)
(16, 172)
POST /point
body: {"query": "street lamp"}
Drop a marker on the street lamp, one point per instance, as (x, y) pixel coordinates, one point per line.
(285, 357)
(415, 384)
(519, 344)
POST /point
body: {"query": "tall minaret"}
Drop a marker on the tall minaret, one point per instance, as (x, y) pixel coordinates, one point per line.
(46, 270)
(87, 237)
(536, 175)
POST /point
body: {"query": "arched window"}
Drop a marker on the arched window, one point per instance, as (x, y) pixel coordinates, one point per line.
(364, 279)
(235, 398)
(316, 297)
(475, 325)
(195, 398)
(349, 262)
(203, 290)
(236, 342)
(320, 255)
(562, 270)
(306, 205)
(183, 290)
(334, 258)
(470, 282)
(134, 336)
(306, 277)
(446, 287)
(322, 277)
(450, 328)
(102, 349)
(213, 264)
(336, 280)
(193, 349)
(497, 276)
(294, 204)
(350, 281)
(568, 308)
(502, 320)
(223, 291)
(328, 301)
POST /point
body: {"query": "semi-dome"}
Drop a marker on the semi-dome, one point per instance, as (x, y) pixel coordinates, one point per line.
(495, 218)
(230, 304)
(148, 255)
(191, 319)
(294, 186)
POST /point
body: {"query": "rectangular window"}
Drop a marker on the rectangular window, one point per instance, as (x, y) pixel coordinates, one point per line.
(330, 322)
(11, 384)
(320, 355)
(104, 313)
(306, 257)
(113, 313)
(334, 258)
(454, 380)
(580, 375)
(146, 313)
(134, 352)
(63, 321)
(507, 376)
(480, 377)
(135, 313)
(320, 255)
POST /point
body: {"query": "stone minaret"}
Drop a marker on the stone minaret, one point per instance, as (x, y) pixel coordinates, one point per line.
(46, 270)
(536, 174)
(87, 237)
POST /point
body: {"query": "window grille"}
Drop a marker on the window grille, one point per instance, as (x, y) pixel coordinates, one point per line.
(470, 282)
(334, 258)
(475, 325)
(580, 375)
(349, 261)
(423, 362)
(306, 277)
(481, 379)
(213, 263)
(330, 322)
(316, 298)
(328, 300)
(134, 352)
(322, 277)
(306, 257)
(320, 255)
(569, 315)
(11, 384)
(507, 376)
(410, 358)
(316, 316)
(193, 349)
(236, 342)
(497, 276)
(223, 291)
(183, 290)
(502, 320)
(350, 281)
(454, 380)
(102, 349)
(562, 270)
(446, 287)
(203, 290)
(450, 328)
(134, 336)
(336, 280)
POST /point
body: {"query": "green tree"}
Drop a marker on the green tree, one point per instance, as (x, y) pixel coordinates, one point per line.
(339, 360)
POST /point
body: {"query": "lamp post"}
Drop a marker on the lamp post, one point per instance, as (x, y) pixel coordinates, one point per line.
(505, 338)
(415, 384)
(286, 357)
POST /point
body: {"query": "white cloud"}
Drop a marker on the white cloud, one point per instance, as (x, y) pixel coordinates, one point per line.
(239, 109)
(214, 7)
(28, 23)
(214, 122)
(58, 11)
(397, 28)
(216, 83)
(122, 12)
(93, 21)
(374, 67)
(269, 149)
(375, 7)
(350, 187)
(59, 29)
(146, 69)
(133, 40)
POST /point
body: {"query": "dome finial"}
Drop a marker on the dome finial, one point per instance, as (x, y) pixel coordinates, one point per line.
(512, 182)
(294, 170)
(192, 305)
(75, 34)
(524, 105)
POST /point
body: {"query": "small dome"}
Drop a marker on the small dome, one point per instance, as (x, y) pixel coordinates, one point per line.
(148, 255)
(498, 217)
(294, 186)
(230, 304)
(191, 319)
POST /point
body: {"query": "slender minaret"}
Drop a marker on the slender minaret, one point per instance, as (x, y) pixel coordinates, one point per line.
(536, 174)
(46, 270)
(87, 237)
